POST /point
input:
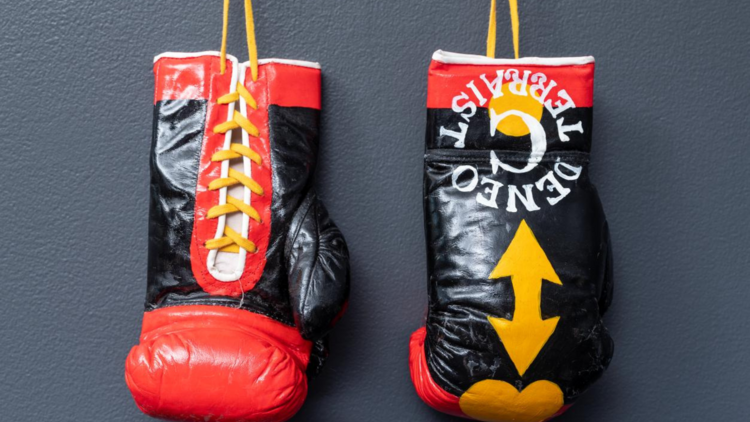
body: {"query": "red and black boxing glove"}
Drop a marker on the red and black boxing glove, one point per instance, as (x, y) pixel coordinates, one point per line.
(247, 272)
(519, 259)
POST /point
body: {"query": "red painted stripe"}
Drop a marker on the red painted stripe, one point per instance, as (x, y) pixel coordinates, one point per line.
(446, 81)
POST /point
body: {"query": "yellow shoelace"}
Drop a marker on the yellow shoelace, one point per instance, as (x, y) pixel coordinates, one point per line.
(252, 50)
(233, 241)
(492, 32)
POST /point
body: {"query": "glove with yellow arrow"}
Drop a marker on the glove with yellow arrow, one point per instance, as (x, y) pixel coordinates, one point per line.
(518, 248)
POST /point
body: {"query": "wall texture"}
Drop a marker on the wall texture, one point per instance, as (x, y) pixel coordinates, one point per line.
(670, 159)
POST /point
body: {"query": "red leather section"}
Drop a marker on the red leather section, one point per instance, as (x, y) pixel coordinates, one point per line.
(189, 78)
(291, 86)
(427, 389)
(446, 81)
(205, 229)
(213, 363)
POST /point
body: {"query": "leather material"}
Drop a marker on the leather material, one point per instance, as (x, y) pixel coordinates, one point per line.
(316, 270)
(226, 364)
(178, 129)
(472, 216)
(298, 282)
(429, 391)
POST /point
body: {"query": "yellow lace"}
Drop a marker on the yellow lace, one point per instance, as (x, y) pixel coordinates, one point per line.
(492, 33)
(232, 241)
(252, 49)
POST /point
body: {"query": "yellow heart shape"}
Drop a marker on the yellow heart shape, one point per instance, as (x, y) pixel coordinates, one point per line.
(498, 401)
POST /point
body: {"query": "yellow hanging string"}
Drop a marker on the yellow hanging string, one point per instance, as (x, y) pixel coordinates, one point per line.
(252, 49)
(492, 32)
(224, 31)
(514, 24)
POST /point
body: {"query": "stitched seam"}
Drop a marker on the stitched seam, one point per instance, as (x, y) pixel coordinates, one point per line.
(203, 266)
(299, 226)
(202, 303)
(512, 156)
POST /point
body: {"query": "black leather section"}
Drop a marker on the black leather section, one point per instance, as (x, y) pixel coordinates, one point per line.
(178, 128)
(318, 265)
(465, 241)
(294, 148)
(318, 357)
(177, 141)
(478, 126)
(605, 297)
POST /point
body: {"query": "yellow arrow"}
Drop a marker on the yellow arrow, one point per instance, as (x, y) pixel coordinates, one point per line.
(527, 265)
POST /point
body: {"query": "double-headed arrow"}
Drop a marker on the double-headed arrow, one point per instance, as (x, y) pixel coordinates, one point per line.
(527, 265)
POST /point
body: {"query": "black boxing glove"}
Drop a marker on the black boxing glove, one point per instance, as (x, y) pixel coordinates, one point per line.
(519, 259)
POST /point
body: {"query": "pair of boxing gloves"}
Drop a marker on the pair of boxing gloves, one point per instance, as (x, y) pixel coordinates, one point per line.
(248, 274)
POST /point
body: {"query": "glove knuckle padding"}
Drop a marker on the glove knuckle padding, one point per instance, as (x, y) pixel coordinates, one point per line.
(318, 269)
(180, 352)
(519, 255)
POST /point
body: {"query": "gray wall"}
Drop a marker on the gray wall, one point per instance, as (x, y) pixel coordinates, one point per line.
(670, 159)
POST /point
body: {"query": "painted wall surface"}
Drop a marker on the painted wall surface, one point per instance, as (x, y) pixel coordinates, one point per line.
(670, 158)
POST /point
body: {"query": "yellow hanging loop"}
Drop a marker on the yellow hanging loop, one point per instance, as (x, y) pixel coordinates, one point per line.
(252, 49)
(224, 31)
(514, 24)
(492, 32)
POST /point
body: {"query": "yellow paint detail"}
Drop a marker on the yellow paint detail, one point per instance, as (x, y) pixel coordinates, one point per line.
(527, 265)
(498, 401)
(514, 125)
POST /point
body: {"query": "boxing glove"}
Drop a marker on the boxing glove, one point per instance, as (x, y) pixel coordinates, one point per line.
(246, 271)
(519, 259)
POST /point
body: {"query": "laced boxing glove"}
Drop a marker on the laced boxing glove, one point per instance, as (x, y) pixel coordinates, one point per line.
(518, 248)
(247, 272)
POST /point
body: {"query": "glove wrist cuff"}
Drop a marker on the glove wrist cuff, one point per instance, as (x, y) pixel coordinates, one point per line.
(541, 104)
